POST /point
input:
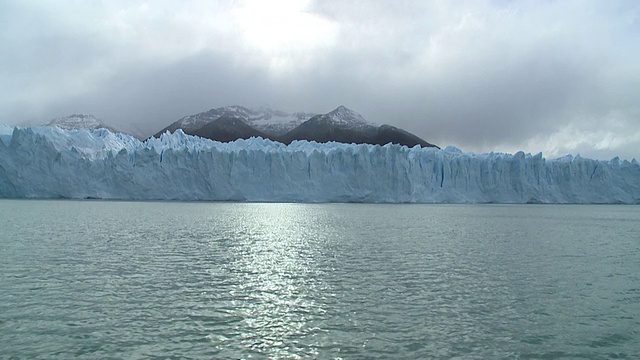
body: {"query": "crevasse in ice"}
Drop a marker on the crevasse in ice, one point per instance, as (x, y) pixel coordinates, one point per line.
(48, 162)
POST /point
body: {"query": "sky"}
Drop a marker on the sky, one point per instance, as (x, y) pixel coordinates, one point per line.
(557, 77)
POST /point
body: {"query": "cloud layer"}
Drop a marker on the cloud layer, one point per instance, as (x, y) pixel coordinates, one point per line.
(557, 77)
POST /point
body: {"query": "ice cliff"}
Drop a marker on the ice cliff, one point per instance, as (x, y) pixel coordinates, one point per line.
(46, 162)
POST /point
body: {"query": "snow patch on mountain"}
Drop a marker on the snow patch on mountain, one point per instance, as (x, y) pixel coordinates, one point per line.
(277, 122)
(272, 122)
(348, 118)
(77, 121)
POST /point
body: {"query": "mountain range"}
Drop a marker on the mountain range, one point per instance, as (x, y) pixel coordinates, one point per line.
(237, 122)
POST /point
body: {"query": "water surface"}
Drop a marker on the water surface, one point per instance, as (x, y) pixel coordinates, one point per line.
(96, 279)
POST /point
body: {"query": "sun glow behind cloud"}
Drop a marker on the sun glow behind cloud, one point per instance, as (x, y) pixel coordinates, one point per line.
(283, 29)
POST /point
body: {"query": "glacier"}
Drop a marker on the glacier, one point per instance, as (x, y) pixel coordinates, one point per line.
(49, 162)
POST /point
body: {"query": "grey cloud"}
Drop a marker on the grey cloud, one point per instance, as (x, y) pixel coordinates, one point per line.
(521, 74)
(155, 96)
(480, 75)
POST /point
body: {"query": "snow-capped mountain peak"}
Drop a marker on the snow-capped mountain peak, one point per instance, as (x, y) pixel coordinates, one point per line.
(265, 119)
(193, 122)
(346, 116)
(90, 122)
(77, 121)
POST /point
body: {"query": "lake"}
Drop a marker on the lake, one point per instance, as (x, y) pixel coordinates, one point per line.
(110, 279)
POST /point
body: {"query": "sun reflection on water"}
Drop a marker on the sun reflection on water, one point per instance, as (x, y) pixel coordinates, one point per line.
(277, 280)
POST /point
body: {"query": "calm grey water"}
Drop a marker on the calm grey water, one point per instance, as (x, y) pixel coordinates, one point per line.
(93, 279)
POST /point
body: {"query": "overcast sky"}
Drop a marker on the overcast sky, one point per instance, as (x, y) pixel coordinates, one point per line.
(553, 76)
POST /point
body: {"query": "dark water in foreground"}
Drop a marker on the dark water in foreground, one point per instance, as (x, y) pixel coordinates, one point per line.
(95, 279)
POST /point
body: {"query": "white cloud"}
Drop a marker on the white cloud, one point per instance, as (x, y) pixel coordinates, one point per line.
(604, 138)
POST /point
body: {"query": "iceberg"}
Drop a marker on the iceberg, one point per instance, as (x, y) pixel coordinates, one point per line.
(49, 162)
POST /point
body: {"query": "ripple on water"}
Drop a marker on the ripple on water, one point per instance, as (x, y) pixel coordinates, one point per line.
(96, 279)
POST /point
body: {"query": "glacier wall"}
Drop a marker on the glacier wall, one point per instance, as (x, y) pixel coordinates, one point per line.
(43, 162)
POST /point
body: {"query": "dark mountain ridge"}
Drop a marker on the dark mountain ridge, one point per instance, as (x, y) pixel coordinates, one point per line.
(340, 125)
(228, 128)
